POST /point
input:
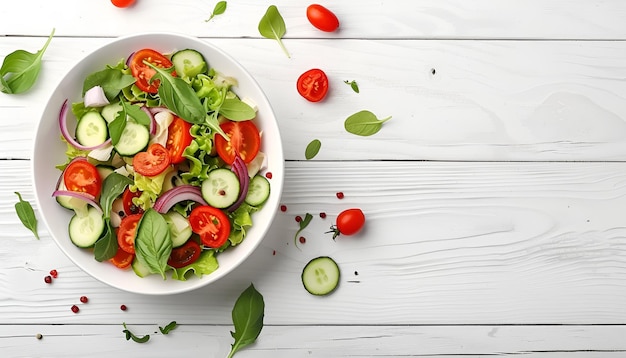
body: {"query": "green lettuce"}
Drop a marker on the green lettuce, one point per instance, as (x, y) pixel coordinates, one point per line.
(206, 264)
(151, 187)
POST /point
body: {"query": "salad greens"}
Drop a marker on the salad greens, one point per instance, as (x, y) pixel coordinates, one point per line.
(153, 244)
(20, 69)
(112, 80)
(26, 214)
(364, 123)
(272, 26)
(247, 314)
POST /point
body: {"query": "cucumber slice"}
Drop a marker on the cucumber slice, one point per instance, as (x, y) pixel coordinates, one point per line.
(69, 202)
(320, 276)
(188, 63)
(104, 171)
(91, 129)
(133, 140)
(258, 190)
(110, 111)
(221, 188)
(140, 269)
(180, 230)
(86, 230)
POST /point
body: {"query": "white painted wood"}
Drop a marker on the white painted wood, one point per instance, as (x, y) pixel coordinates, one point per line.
(488, 100)
(535, 19)
(318, 341)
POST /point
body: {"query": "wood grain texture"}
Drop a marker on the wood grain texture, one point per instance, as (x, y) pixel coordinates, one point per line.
(477, 19)
(487, 100)
(445, 243)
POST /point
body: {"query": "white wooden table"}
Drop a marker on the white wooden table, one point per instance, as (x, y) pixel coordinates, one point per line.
(495, 197)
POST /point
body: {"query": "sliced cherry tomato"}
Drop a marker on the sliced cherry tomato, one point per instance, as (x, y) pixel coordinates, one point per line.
(122, 259)
(122, 3)
(313, 85)
(153, 161)
(244, 141)
(143, 73)
(178, 138)
(322, 18)
(82, 176)
(349, 222)
(127, 231)
(127, 202)
(184, 255)
(211, 224)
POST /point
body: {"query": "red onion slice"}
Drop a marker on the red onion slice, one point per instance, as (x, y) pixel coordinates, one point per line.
(153, 125)
(240, 169)
(66, 133)
(177, 194)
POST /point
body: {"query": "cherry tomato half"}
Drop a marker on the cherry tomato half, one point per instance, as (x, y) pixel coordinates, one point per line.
(245, 141)
(178, 138)
(184, 255)
(313, 85)
(143, 73)
(82, 176)
(127, 202)
(153, 161)
(322, 18)
(127, 231)
(349, 222)
(122, 3)
(122, 259)
(211, 224)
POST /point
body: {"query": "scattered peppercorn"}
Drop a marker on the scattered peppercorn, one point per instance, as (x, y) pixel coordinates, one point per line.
(274, 253)
(323, 215)
(75, 309)
(84, 299)
(123, 307)
(54, 273)
(340, 195)
(283, 208)
(298, 218)
(268, 175)
(47, 279)
(302, 239)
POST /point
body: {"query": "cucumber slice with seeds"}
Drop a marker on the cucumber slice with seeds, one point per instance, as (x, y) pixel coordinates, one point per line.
(258, 190)
(85, 230)
(134, 139)
(91, 129)
(320, 276)
(188, 63)
(221, 188)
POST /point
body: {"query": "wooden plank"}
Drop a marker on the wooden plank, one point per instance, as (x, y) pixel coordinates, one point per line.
(487, 100)
(318, 341)
(478, 19)
(470, 243)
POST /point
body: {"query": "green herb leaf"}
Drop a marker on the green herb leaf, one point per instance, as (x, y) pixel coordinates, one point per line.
(130, 335)
(170, 326)
(364, 123)
(272, 26)
(112, 80)
(116, 127)
(20, 69)
(312, 149)
(106, 246)
(219, 9)
(135, 112)
(153, 244)
(236, 110)
(353, 85)
(303, 224)
(178, 96)
(112, 187)
(26, 214)
(247, 314)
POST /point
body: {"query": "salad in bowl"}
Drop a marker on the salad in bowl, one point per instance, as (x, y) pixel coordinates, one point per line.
(158, 164)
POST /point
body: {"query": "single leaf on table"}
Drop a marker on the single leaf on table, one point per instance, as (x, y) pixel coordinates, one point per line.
(219, 9)
(26, 214)
(364, 123)
(247, 314)
(303, 224)
(312, 149)
(20, 69)
(167, 329)
(272, 26)
(353, 85)
(130, 335)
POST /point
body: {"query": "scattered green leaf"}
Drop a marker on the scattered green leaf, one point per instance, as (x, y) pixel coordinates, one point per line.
(364, 123)
(247, 314)
(170, 327)
(26, 214)
(272, 26)
(353, 85)
(303, 224)
(130, 335)
(20, 69)
(219, 9)
(312, 149)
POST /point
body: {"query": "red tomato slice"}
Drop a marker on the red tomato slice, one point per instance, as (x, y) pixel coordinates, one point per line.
(82, 176)
(185, 255)
(122, 259)
(211, 224)
(322, 18)
(313, 85)
(122, 3)
(244, 141)
(127, 202)
(178, 138)
(127, 231)
(143, 73)
(153, 161)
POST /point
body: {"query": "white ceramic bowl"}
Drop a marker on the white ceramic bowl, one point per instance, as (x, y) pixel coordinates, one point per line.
(49, 151)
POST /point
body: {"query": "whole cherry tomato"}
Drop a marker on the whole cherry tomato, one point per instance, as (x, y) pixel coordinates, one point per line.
(349, 222)
(313, 85)
(122, 3)
(322, 18)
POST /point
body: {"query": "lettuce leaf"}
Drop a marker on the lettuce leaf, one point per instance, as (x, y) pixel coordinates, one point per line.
(206, 264)
(151, 187)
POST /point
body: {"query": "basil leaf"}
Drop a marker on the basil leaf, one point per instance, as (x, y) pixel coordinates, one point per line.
(353, 85)
(112, 187)
(26, 214)
(130, 335)
(178, 96)
(167, 329)
(112, 81)
(236, 110)
(219, 9)
(106, 246)
(312, 149)
(364, 123)
(247, 314)
(153, 244)
(272, 26)
(20, 69)
(303, 224)
(116, 127)
(136, 113)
